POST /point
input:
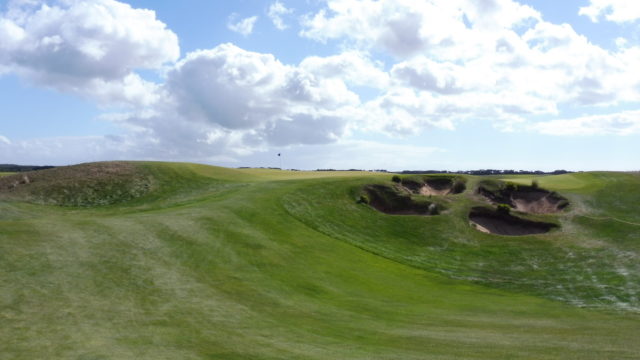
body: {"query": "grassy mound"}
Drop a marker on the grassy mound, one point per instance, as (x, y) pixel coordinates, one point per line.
(89, 184)
(529, 199)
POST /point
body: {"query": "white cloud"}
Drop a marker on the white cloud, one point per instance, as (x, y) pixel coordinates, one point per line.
(230, 102)
(612, 10)
(459, 60)
(428, 75)
(622, 123)
(276, 12)
(405, 28)
(244, 26)
(450, 62)
(240, 89)
(5, 140)
(353, 67)
(81, 46)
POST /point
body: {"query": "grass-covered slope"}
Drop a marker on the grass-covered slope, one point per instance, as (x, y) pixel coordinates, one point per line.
(218, 263)
(79, 185)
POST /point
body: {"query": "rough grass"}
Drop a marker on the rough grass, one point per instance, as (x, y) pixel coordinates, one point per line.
(240, 264)
(79, 185)
(585, 262)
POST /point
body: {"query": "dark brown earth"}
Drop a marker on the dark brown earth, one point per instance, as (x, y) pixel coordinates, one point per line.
(526, 199)
(396, 200)
(491, 221)
(433, 186)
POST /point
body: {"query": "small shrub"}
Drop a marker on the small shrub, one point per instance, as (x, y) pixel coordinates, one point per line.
(458, 187)
(534, 184)
(396, 179)
(503, 209)
(364, 199)
(510, 187)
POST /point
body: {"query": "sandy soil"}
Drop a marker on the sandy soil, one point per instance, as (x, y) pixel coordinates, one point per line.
(537, 202)
(494, 223)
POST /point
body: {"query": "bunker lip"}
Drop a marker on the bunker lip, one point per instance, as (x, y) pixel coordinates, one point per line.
(395, 200)
(526, 199)
(490, 221)
(434, 185)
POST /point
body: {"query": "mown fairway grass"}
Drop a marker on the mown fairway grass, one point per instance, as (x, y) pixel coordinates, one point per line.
(263, 264)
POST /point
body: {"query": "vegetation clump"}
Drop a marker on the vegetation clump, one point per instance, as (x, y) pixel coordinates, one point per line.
(503, 209)
(364, 199)
(91, 184)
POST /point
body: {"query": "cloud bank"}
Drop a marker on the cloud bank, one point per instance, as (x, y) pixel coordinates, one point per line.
(446, 62)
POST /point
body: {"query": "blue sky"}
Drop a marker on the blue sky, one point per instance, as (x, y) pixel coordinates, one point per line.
(371, 84)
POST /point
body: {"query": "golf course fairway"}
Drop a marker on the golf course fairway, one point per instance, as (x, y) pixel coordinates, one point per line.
(187, 261)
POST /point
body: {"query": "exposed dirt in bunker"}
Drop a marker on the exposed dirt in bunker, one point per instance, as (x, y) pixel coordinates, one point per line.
(491, 221)
(435, 186)
(528, 199)
(396, 200)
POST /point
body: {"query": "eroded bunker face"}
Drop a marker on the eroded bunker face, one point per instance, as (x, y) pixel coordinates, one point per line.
(434, 185)
(527, 199)
(395, 200)
(494, 222)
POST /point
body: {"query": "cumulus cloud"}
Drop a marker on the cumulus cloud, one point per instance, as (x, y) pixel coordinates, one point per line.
(405, 28)
(622, 123)
(83, 46)
(462, 59)
(425, 74)
(230, 102)
(447, 62)
(276, 12)
(354, 67)
(239, 89)
(244, 26)
(612, 10)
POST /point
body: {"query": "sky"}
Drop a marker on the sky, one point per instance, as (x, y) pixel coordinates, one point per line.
(363, 84)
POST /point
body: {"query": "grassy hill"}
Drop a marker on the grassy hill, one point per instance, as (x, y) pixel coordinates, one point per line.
(215, 263)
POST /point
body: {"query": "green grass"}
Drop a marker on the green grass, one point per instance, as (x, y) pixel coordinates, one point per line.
(263, 264)
(5, 174)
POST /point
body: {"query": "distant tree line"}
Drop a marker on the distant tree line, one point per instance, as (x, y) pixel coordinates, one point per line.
(487, 172)
(466, 172)
(21, 168)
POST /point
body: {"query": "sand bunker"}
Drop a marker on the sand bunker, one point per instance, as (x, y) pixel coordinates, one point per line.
(523, 198)
(434, 186)
(395, 200)
(490, 221)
